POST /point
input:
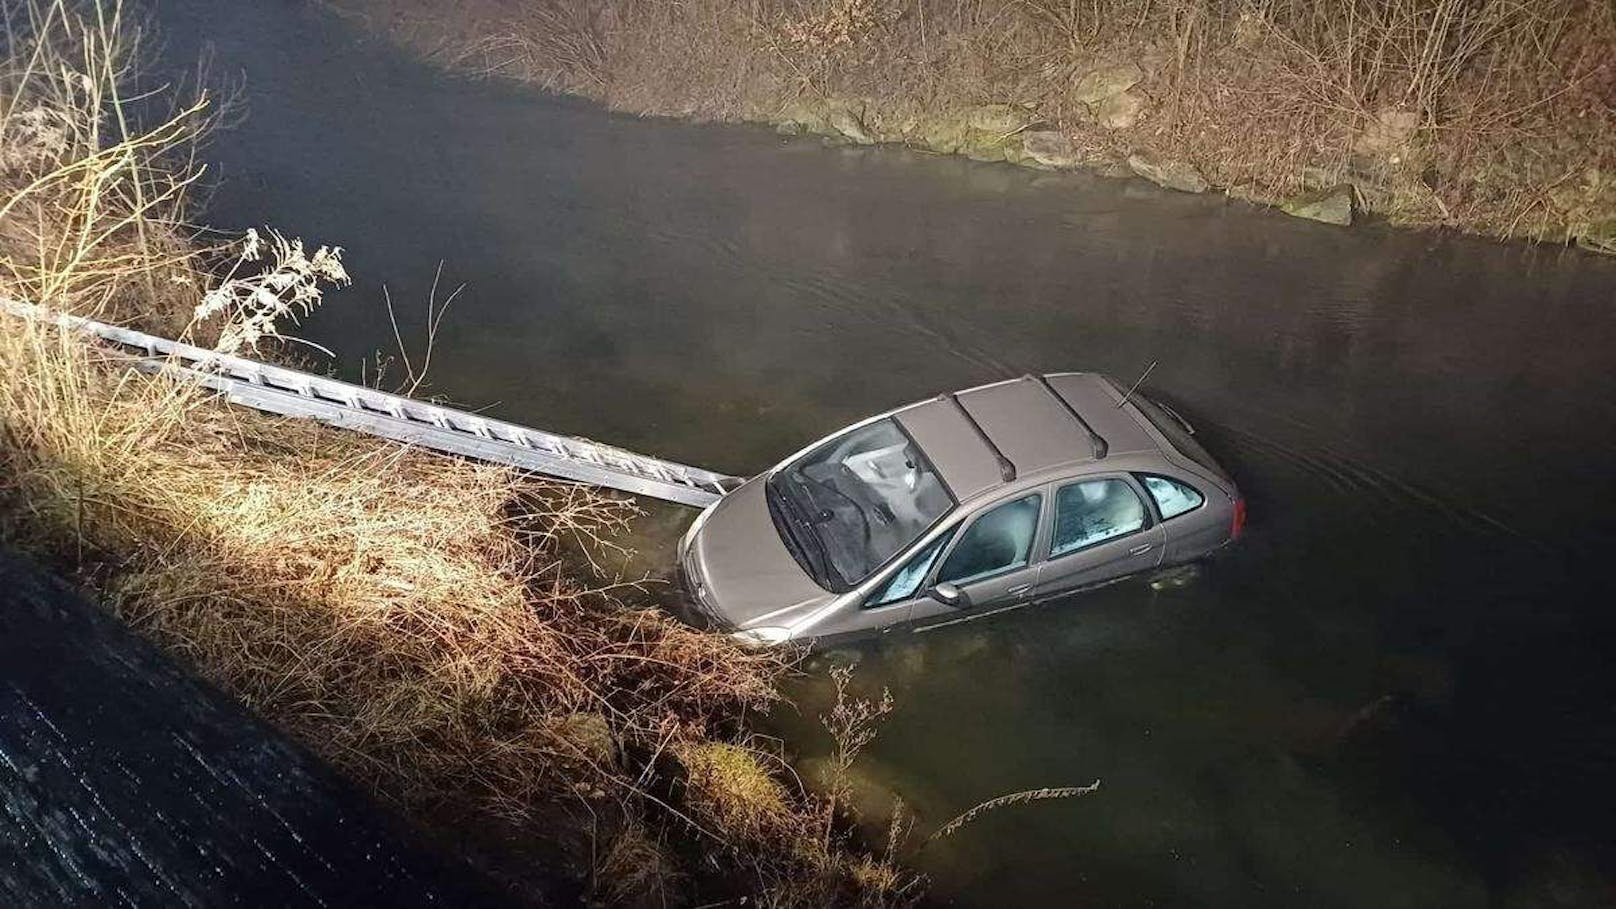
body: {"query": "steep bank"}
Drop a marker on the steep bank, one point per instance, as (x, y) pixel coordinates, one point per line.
(150, 762)
(433, 628)
(1494, 117)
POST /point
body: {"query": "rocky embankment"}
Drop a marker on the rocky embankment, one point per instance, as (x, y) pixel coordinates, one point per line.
(1497, 120)
(1017, 134)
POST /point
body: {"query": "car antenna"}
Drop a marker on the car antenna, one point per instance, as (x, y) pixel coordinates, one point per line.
(1137, 384)
(1007, 470)
(1099, 444)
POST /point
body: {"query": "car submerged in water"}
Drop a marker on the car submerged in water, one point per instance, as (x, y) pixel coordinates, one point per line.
(958, 507)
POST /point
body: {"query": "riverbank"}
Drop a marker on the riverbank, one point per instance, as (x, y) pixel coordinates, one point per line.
(445, 633)
(150, 762)
(1495, 118)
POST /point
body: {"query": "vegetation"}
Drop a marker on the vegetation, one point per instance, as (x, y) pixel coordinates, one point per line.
(431, 626)
(1493, 116)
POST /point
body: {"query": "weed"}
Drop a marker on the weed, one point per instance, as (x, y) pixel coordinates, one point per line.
(424, 623)
(1005, 801)
(1495, 116)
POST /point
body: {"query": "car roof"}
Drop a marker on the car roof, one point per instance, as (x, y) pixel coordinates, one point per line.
(983, 438)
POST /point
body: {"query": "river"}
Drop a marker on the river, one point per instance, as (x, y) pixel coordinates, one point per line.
(1395, 692)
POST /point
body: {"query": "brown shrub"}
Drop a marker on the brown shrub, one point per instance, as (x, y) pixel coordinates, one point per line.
(1501, 113)
(417, 620)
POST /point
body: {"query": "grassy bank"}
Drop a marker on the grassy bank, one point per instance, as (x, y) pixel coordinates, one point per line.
(433, 627)
(1490, 116)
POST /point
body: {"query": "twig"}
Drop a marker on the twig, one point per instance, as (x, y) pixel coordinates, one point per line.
(1004, 801)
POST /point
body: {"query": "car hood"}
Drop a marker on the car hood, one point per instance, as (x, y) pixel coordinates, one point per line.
(746, 576)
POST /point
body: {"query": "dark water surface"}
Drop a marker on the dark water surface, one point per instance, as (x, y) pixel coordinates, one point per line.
(1396, 692)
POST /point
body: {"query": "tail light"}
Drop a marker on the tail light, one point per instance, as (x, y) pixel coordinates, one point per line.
(1239, 524)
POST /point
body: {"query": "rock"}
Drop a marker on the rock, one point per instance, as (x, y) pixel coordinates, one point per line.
(999, 119)
(830, 117)
(1599, 237)
(1113, 167)
(1179, 175)
(1016, 153)
(805, 114)
(982, 147)
(1103, 82)
(1331, 206)
(885, 124)
(1050, 148)
(945, 134)
(989, 133)
(1120, 111)
(845, 121)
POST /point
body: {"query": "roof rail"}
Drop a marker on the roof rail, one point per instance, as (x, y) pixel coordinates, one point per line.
(1007, 470)
(1100, 444)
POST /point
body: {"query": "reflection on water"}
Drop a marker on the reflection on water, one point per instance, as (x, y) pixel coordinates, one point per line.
(1393, 693)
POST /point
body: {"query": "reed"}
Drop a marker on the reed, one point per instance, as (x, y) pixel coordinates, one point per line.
(1004, 801)
(446, 633)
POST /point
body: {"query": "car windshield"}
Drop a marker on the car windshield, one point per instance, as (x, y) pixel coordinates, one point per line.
(850, 505)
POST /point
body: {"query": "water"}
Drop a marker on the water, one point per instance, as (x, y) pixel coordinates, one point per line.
(1395, 691)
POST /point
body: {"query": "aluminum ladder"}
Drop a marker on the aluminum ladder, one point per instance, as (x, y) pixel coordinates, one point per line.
(289, 392)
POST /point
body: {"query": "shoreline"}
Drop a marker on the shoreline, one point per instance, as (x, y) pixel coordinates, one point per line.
(1197, 107)
(443, 633)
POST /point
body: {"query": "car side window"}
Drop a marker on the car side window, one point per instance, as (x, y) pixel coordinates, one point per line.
(1094, 511)
(1000, 540)
(907, 581)
(1172, 497)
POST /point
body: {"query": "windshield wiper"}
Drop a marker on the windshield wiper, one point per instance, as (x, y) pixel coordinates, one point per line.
(827, 571)
(792, 515)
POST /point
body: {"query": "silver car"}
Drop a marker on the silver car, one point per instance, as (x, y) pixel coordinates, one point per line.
(959, 507)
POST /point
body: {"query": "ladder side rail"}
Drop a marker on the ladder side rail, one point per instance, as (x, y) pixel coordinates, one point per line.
(409, 432)
(201, 360)
(293, 393)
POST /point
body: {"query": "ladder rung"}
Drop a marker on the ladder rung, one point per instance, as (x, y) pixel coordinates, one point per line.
(285, 391)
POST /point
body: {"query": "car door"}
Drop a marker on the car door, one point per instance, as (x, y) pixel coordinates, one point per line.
(1100, 529)
(888, 606)
(991, 561)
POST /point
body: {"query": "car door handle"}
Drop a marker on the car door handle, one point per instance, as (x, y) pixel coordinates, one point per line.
(1019, 588)
(1141, 549)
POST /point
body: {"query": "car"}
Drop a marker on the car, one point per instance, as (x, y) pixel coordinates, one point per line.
(958, 507)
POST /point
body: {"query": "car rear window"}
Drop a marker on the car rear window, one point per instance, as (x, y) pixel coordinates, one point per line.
(1173, 497)
(1175, 432)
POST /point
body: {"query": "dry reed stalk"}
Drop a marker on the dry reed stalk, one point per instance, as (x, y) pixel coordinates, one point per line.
(420, 621)
(1005, 801)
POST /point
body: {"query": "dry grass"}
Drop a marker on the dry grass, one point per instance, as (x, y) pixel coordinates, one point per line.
(422, 622)
(727, 783)
(1024, 797)
(1494, 116)
(795, 846)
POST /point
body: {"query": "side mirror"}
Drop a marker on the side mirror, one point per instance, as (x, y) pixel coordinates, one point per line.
(950, 595)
